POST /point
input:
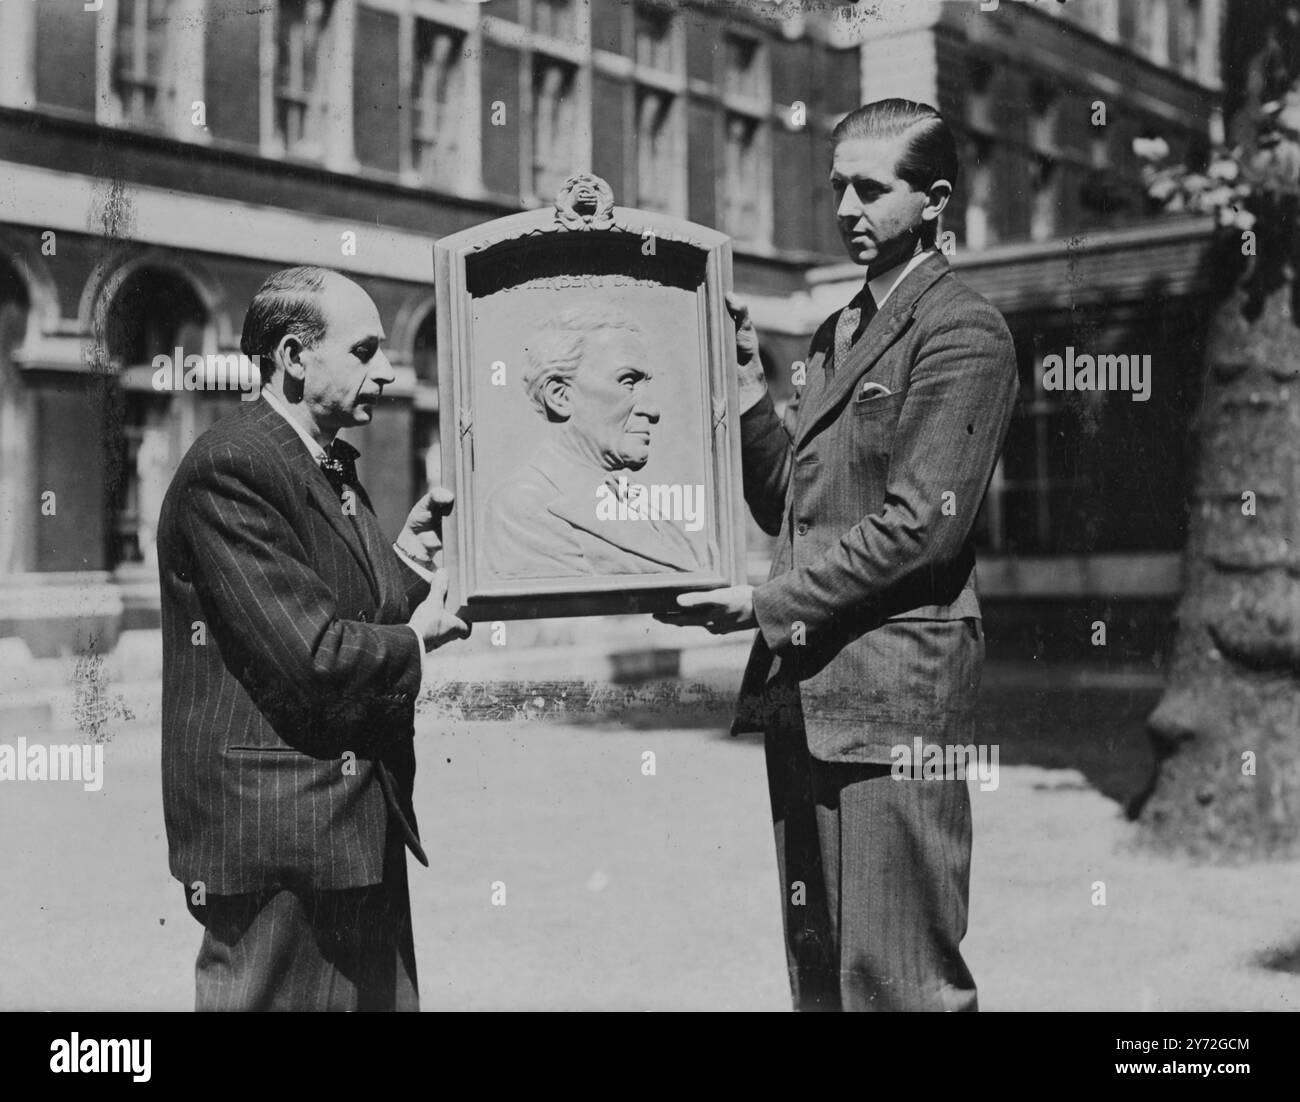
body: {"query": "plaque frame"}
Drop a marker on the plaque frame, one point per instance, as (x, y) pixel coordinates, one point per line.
(584, 234)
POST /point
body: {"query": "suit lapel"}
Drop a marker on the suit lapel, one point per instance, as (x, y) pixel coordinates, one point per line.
(327, 503)
(320, 494)
(880, 333)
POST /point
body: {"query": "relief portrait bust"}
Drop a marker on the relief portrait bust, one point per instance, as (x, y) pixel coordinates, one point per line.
(566, 511)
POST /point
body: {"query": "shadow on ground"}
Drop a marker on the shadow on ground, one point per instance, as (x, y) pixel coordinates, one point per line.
(1097, 730)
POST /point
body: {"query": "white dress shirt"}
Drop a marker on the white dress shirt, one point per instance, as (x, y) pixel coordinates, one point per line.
(882, 286)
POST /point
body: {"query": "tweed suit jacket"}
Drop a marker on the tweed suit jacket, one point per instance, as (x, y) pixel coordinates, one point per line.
(289, 676)
(869, 624)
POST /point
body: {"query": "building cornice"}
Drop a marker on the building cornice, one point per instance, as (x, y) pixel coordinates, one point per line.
(1115, 265)
(73, 203)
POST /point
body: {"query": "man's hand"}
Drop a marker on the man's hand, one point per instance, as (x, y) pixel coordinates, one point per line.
(718, 610)
(753, 383)
(421, 536)
(432, 620)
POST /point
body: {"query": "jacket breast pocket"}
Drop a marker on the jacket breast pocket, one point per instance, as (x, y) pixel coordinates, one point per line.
(870, 427)
(877, 407)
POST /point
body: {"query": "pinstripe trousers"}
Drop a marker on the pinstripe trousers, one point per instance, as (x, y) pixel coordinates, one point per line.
(875, 876)
(294, 948)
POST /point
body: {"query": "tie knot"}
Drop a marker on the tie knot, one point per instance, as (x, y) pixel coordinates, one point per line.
(340, 464)
(342, 451)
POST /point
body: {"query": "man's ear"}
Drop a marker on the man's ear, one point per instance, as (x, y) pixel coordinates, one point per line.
(936, 198)
(288, 358)
(557, 399)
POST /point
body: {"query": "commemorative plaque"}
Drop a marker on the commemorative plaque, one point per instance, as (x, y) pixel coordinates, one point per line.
(588, 398)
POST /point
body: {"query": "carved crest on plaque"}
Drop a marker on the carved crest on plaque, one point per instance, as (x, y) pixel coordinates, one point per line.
(585, 202)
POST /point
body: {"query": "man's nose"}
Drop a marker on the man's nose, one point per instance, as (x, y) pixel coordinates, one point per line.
(381, 371)
(648, 408)
(850, 206)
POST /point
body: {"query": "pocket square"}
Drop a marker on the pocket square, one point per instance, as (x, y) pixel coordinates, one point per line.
(870, 390)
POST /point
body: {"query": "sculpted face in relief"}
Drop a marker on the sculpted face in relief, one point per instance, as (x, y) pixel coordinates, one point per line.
(588, 377)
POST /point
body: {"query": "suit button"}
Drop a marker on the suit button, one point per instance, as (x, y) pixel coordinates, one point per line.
(801, 528)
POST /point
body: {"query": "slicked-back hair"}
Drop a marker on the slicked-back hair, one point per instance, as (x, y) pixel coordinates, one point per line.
(555, 350)
(930, 152)
(288, 303)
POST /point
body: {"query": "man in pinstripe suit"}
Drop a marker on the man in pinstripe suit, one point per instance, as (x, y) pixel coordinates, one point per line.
(869, 630)
(293, 641)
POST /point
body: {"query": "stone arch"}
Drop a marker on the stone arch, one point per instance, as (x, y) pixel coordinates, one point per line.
(414, 333)
(103, 291)
(31, 270)
(135, 310)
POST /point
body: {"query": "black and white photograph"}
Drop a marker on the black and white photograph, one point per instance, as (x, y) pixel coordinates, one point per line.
(652, 506)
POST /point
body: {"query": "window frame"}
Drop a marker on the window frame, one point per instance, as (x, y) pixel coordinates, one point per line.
(459, 106)
(575, 54)
(753, 106)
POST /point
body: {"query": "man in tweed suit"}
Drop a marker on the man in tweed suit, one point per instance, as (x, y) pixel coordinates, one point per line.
(869, 631)
(293, 640)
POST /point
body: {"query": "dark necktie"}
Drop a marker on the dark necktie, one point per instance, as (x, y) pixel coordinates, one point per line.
(854, 318)
(340, 465)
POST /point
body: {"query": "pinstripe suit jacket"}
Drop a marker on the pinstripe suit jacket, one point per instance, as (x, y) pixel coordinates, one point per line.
(870, 628)
(287, 723)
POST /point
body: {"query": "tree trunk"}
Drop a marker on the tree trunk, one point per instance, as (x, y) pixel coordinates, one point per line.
(1227, 731)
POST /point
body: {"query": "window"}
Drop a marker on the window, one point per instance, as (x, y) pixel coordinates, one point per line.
(1046, 199)
(1107, 19)
(979, 100)
(299, 76)
(659, 163)
(1042, 116)
(655, 47)
(438, 104)
(1153, 31)
(1192, 42)
(555, 124)
(744, 76)
(1099, 16)
(556, 18)
(979, 229)
(140, 61)
(1037, 489)
(153, 312)
(742, 206)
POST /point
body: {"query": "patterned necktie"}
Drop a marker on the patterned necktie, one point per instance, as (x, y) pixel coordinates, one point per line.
(853, 320)
(340, 465)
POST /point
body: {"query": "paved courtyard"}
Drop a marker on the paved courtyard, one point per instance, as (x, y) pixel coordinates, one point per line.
(628, 891)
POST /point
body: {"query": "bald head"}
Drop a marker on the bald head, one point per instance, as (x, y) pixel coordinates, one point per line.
(292, 303)
(320, 340)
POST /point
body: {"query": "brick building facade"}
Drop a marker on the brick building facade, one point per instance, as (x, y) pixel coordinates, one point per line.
(160, 157)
